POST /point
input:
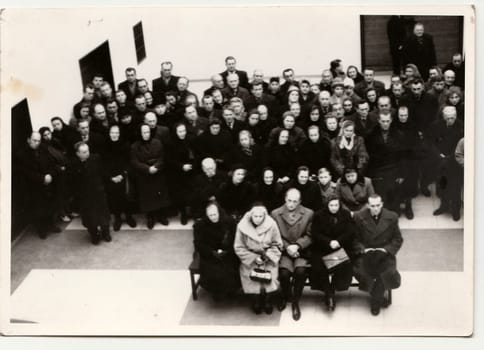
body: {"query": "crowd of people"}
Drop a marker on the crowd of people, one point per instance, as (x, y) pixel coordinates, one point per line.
(340, 149)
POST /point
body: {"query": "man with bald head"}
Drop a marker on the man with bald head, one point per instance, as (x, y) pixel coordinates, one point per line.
(449, 79)
(294, 222)
(160, 132)
(217, 83)
(419, 49)
(458, 67)
(39, 174)
(258, 75)
(445, 134)
(206, 186)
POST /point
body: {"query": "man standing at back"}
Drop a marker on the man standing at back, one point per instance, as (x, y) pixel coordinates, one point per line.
(231, 63)
(419, 49)
(166, 82)
(378, 239)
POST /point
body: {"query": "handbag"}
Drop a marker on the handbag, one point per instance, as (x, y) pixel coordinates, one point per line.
(260, 275)
(335, 259)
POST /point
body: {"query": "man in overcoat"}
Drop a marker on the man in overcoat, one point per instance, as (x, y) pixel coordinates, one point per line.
(419, 49)
(38, 170)
(378, 239)
(89, 179)
(294, 222)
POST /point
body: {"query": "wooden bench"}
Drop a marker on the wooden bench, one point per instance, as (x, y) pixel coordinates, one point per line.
(194, 269)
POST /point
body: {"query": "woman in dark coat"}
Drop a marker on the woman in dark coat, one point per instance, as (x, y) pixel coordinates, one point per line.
(65, 134)
(310, 193)
(315, 152)
(116, 162)
(353, 189)
(215, 143)
(182, 168)
(148, 162)
(269, 191)
(237, 195)
(214, 241)
(281, 157)
(353, 73)
(332, 229)
(249, 154)
(296, 134)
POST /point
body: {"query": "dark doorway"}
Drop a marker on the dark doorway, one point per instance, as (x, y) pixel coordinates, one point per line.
(447, 32)
(97, 61)
(21, 130)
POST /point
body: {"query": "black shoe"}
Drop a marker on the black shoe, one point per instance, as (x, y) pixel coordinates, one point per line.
(183, 218)
(330, 303)
(43, 234)
(268, 307)
(164, 221)
(150, 222)
(440, 210)
(54, 229)
(107, 236)
(409, 212)
(456, 215)
(282, 304)
(257, 307)
(130, 221)
(385, 303)
(375, 309)
(426, 192)
(296, 312)
(95, 239)
(117, 223)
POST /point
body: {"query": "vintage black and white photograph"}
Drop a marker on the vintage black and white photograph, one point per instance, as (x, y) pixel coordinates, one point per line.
(269, 170)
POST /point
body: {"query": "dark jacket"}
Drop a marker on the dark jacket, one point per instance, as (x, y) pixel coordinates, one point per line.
(204, 188)
(385, 156)
(236, 199)
(130, 94)
(160, 87)
(152, 188)
(89, 179)
(251, 161)
(354, 197)
(217, 147)
(243, 78)
(218, 272)
(272, 196)
(315, 155)
(356, 157)
(422, 111)
(282, 159)
(420, 52)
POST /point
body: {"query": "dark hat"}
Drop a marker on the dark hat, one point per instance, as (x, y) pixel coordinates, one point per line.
(276, 79)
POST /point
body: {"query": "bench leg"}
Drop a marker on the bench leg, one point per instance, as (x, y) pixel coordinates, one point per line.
(194, 286)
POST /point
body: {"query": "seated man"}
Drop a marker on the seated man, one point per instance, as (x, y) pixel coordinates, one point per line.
(294, 222)
(378, 239)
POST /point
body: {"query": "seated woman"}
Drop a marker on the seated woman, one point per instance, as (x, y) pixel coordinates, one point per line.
(353, 189)
(269, 191)
(348, 149)
(258, 245)
(327, 188)
(296, 134)
(332, 229)
(310, 195)
(237, 194)
(214, 241)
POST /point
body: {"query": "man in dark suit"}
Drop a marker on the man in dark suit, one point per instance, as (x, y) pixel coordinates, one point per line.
(288, 75)
(160, 132)
(230, 63)
(95, 141)
(233, 89)
(231, 124)
(259, 97)
(39, 174)
(194, 124)
(397, 34)
(129, 86)
(378, 239)
(87, 99)
(217, 83)
(369, 82)
(458, 66)
(88, 178)
(419, 49)
(364, 121)
(167, 81)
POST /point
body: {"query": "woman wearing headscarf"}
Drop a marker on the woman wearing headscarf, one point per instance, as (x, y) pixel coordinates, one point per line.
(148, 162)
(269, 191)
(281, 157)
(116, 162)
(182, 168)
(348, 149)
(332, 228)
(258, 245)
(353, 73)
(214, 241)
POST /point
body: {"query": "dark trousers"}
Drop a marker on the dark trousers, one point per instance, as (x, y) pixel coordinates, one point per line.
(384, 183)
(292, 288)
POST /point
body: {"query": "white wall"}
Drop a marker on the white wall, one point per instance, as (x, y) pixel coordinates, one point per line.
(41, 48)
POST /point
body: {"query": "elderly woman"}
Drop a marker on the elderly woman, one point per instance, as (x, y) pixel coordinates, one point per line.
(258, 245)
(236, 195)
(249, 154)
(353, 189)
(326, 186)
(281, 157)
(269, 191)
(348, 149)
(332, 229)
(296, 134)
(147, 160)
(214, 241)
